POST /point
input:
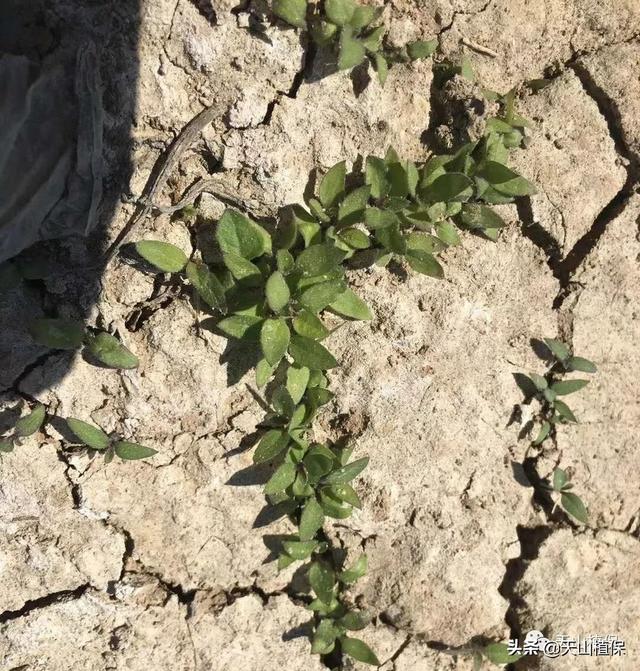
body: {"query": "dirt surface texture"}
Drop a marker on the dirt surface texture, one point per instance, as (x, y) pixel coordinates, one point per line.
(160, 564)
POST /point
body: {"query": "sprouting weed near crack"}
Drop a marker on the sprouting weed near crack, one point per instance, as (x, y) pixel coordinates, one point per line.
(553, 413)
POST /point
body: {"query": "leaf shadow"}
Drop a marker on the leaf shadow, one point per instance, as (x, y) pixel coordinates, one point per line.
(256, 474)
(303, 630)
(541, 350)
(360, 78)
(246, 443)
(271, 513)
(239, 356)
(519, 474)
(8, 417)
(525, 385)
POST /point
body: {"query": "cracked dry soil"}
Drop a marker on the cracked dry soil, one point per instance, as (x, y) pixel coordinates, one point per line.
(159, 565)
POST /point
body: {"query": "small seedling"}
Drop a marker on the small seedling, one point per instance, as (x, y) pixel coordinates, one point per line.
(96, 439)
(25, 426)
(334, 619)
(547, 388)
(70, 334)
(88, 434)
(352, 30)
(570, 502)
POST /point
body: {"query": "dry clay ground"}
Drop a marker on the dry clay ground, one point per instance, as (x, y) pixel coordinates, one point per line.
(156, 565)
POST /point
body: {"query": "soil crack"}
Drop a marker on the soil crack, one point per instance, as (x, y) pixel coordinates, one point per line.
(43, 602)
(565, 269)
(531, 540)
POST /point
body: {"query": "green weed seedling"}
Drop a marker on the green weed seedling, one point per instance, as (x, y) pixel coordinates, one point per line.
(282, 292)
(91, 436)
(570, 502)
(25, 426)
(70, 334)
(352, 30)
(96, 439)
(549, 387)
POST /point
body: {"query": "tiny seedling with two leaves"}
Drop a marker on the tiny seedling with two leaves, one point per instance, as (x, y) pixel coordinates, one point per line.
(26, 426)
(495, 653)
(96, 439)
(561, 487)
(88, 434)
(71, 334)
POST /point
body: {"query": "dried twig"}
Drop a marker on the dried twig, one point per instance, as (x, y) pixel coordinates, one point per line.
(478, 47)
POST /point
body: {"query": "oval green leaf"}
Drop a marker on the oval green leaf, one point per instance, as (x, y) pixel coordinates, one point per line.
(421, 49)
(565, 387)
(475, 215)
(284, 476)
(424, 263)
(277, 291)
(274, 339)
(573, 504)
(297, 380)
(348, 304)
(498, 653)
(131, 451)
(29, 424)
(236, 234)
(319, 259)
(318, 296)
(559, 350)
(270, 446)
(294, 12)
(88, 434)
(332, 185)
(348, 472)
(310, 326)
(339, 12)
(450, 186)
(162, 255)
(207, 285)
(353, 574)
(299, 549)
(311, 354)
(322, 580)
(581, 364)
(111, 352)
(359, 650)
(311, 520)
